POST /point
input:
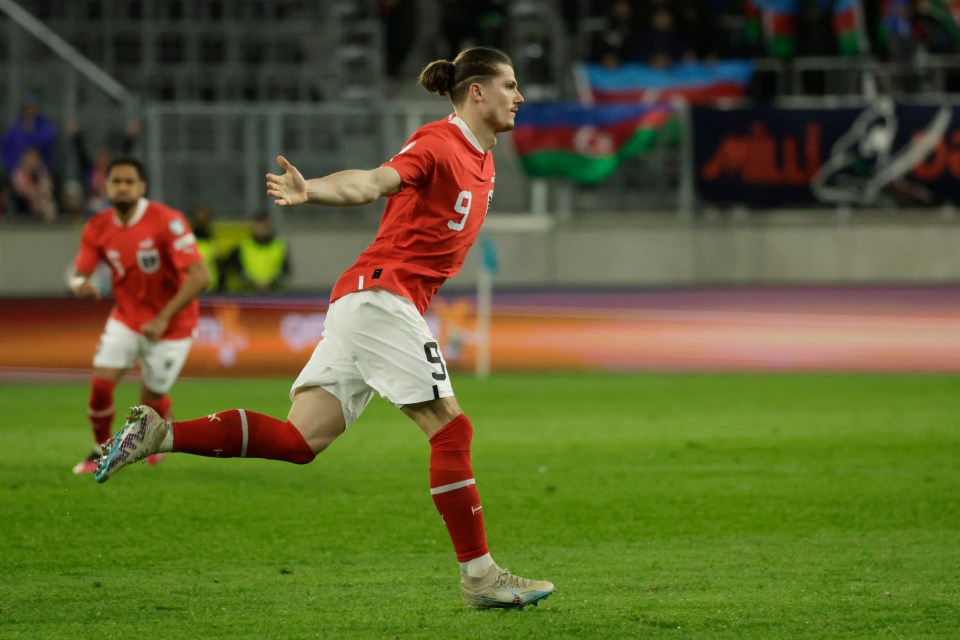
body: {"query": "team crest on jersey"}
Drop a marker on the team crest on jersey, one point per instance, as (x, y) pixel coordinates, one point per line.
(149, 260)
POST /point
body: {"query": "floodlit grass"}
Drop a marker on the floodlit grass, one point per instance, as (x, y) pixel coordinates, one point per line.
(697, 506)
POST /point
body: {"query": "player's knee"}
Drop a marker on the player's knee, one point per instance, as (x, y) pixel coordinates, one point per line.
(317, 435)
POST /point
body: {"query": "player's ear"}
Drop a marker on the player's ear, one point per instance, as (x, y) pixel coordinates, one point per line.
(476, 91)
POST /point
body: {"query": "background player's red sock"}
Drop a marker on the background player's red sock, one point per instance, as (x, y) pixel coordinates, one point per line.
(241, 434)
(100, 408)
(454, 490)
(161, 406)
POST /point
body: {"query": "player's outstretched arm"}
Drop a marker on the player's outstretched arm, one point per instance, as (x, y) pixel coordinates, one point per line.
(344, 188)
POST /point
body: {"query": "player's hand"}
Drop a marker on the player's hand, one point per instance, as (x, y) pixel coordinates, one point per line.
(83, 288)
(154, 329)
(288, 189)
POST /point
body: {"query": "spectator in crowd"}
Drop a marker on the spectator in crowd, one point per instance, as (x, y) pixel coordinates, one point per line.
(399, 30)
(31, 130)
(96, 181)
(126, 141)
(201, 219)
(657, 32)
(898, 38)
(4, 195)
(700, 28)
(774, 27)
(660, 42)
(262, 260)
(73, 201)
(465, 23)
(815, 34)
(92, 171)
(33, 192)
(619, 39)
(937, 26)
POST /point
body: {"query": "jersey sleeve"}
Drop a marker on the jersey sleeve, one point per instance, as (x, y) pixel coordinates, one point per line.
(415, 162)
(180, 241)
(88, 256)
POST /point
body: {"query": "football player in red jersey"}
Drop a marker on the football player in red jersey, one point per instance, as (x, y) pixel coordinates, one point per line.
(375, 339)
(156, 274)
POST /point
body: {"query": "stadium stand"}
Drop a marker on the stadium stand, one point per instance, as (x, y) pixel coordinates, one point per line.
(211, 84)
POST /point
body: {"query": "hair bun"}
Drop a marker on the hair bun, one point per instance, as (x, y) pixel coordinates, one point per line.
(438, 77)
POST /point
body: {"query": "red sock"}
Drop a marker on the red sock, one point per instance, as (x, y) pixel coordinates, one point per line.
(241, 434)
(161, 406)
(454, 490)
(100, 408)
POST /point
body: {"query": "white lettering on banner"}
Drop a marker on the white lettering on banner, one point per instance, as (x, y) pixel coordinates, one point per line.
(209, 331)
(212, 333)
(302, 330)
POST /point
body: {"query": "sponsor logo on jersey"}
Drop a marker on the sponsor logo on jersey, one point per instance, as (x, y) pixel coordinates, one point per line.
(149, 260)
(177, 227)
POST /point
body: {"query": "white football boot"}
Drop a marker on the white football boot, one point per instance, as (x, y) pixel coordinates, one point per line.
(500, 589)
(140, 436)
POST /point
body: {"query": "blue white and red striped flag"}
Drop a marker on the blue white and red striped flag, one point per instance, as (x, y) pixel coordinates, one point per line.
(695, 82)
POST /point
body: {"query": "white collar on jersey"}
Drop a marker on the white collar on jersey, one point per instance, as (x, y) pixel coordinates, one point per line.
(467, 133)
(135, 218)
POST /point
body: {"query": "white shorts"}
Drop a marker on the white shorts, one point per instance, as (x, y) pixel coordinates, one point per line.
(375, 341)
(160, 360)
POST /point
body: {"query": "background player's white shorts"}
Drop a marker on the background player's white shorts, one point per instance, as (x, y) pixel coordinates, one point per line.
(376, 341)
(160, 361)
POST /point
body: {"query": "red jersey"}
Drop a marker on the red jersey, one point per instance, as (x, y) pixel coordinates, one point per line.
(147, 258)
(446, 184)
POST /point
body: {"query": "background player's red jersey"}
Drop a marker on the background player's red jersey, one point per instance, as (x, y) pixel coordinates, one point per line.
(429, 226)
(147, 258)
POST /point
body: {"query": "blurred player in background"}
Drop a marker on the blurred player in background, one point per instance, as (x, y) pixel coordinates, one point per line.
(376, 341)
(157, 274)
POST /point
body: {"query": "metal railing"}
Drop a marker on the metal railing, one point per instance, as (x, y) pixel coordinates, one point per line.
(922, 76)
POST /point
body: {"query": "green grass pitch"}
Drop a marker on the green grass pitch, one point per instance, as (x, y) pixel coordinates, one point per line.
(662, 506)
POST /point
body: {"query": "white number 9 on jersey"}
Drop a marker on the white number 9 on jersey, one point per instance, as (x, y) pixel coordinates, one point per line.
(464, 200)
